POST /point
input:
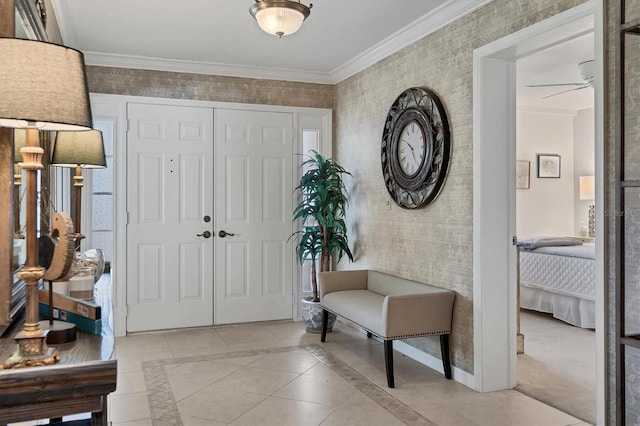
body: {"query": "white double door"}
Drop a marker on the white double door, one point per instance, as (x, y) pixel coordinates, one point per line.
(187, 177)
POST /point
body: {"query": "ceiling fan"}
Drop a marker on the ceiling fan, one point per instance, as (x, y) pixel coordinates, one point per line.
(587, 72)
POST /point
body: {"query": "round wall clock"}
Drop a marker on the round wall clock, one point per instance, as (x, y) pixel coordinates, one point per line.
(416, 148)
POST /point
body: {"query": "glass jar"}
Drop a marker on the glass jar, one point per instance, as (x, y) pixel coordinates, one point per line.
(81, 280)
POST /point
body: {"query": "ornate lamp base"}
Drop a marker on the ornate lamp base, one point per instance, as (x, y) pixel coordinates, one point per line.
(32, 347)
(592, 220)
(31, 352)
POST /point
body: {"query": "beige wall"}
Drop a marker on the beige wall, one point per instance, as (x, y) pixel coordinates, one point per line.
(432, 245)
(583, 162)
(547, 207)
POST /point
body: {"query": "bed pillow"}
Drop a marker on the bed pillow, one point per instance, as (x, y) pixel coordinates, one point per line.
(534, 243)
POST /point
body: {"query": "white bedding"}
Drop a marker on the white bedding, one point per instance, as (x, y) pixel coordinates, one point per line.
(560, 280)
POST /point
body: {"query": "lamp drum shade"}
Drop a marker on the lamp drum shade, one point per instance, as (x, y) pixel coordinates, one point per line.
(587, 188)
(42, 85)
(79, 149)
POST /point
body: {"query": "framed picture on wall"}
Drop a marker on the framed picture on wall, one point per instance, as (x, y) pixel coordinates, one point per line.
(522, 174)
(548, 165)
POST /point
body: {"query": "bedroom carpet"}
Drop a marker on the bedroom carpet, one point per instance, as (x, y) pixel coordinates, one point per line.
(558, 366)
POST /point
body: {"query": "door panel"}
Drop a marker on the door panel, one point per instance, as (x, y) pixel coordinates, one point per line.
(273, 253)
(236, 266)
(170, 173)
(254, 201)
(236, 189)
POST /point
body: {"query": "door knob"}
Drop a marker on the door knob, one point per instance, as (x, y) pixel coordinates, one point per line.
(223, 234)
(205, 234)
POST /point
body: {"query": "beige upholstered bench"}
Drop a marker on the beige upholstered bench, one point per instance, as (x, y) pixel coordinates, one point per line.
(388, 307)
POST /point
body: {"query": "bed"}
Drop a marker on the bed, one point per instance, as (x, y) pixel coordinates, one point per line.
(558, 276)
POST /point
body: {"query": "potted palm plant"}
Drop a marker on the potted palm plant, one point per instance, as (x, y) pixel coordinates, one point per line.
(322, 202)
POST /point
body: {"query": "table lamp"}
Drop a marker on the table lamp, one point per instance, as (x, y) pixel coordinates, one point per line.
(43, 86)
(588, 193)
(79, 150)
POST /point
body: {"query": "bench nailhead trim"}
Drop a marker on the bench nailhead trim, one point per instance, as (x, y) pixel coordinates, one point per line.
(404, 336)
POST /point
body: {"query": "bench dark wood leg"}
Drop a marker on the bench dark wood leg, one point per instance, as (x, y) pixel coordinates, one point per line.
(388, 361)
(325, 323)
(444, 350)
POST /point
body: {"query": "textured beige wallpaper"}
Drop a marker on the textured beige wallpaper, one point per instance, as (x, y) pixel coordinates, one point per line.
(173, 85)
(431, 245)
(632, 225)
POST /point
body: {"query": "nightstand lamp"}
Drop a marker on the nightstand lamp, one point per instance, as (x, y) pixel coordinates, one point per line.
(587, 193)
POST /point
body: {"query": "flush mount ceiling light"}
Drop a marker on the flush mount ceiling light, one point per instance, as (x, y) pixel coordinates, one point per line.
(280, 17)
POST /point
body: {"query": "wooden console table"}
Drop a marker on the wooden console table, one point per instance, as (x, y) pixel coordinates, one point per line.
(79, 383)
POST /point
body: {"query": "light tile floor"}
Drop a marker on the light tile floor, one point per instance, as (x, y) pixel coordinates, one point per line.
(277, 374)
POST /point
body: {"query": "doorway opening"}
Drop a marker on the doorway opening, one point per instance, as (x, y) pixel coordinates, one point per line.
(555, 125)
(494, 114)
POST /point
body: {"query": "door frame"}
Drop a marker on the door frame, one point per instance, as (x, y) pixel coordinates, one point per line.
(494, 275)
(118, 103)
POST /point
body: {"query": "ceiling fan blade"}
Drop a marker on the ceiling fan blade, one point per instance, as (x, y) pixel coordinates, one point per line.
(584, 86)
(557, 84)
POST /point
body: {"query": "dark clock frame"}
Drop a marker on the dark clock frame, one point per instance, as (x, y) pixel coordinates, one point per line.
(423, 107)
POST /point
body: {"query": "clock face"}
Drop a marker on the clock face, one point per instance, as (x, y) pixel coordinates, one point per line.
(411, 148)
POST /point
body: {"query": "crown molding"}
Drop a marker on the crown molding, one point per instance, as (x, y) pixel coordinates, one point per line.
(209, 68)
(448, 12)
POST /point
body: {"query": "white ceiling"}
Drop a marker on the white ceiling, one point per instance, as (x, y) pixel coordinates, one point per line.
(558, 64)
(340, 38)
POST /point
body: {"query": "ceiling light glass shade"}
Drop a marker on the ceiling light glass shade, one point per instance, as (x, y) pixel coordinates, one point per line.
(42, 85)
(280, 18)
(79, 149)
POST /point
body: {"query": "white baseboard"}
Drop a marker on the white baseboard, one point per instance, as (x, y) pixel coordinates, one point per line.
(424, 358)
(430, 361)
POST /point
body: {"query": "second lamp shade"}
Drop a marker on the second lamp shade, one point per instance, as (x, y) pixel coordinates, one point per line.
(79, 149)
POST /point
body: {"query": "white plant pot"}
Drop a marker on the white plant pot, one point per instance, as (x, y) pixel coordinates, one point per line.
(312, 315)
